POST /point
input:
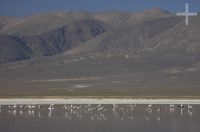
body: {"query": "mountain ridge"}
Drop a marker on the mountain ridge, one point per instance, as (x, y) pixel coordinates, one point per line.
(55, 41)
(37, 23)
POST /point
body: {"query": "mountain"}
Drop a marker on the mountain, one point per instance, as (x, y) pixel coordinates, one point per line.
(5, 21)
(124, 19)
(13, 49)
(51, 42)
(39, 23)
(150, 53)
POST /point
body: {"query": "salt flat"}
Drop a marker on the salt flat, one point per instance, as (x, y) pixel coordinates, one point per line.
(96, 101)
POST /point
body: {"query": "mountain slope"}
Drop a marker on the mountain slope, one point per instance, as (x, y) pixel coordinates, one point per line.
(13, 49)
(5, 21)
(124, 19)
(67, 37)
(56, 41)
(34, 25)
(39, 23)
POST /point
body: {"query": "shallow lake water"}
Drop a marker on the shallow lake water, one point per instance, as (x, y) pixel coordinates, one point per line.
(100, 118)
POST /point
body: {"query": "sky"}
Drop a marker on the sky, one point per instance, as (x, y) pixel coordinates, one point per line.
(29, 7)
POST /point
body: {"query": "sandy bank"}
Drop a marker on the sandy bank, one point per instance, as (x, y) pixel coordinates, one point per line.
(98, 101)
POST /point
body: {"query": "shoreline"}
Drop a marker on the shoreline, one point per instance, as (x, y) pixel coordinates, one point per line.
(60, 101)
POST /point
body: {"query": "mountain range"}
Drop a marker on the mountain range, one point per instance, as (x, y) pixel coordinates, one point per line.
(100, 53)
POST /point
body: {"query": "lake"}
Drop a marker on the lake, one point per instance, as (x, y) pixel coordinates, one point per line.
(100, 118)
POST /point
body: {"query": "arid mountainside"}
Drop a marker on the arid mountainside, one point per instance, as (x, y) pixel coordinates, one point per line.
(75, 32)
(71, 53)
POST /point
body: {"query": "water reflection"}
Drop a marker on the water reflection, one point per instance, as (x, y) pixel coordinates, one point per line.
(39, 114)
(182, 111)
(50, 113)
(158, 118)
(190, 112)
(21, 113)
(106, 118)
(172, 108)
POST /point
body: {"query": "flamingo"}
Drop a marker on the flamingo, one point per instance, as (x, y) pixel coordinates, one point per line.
(39, 106)
(65, 107)
(182, 106)
(189, 106)
(14, 106)
(20, 106)
(71, 106)
(132, 107)
(51, 107)
(50, 110)
(159, 110)
(190, 110)
(29, 107)
(149, 108)
(75, 107)
(88, 106)
(33, 106)
(78, 107)
(100, 108)
(114, 107)
(150, 105)
(90, 109)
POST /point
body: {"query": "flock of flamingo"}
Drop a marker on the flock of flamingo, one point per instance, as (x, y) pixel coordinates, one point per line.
(98, 111)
